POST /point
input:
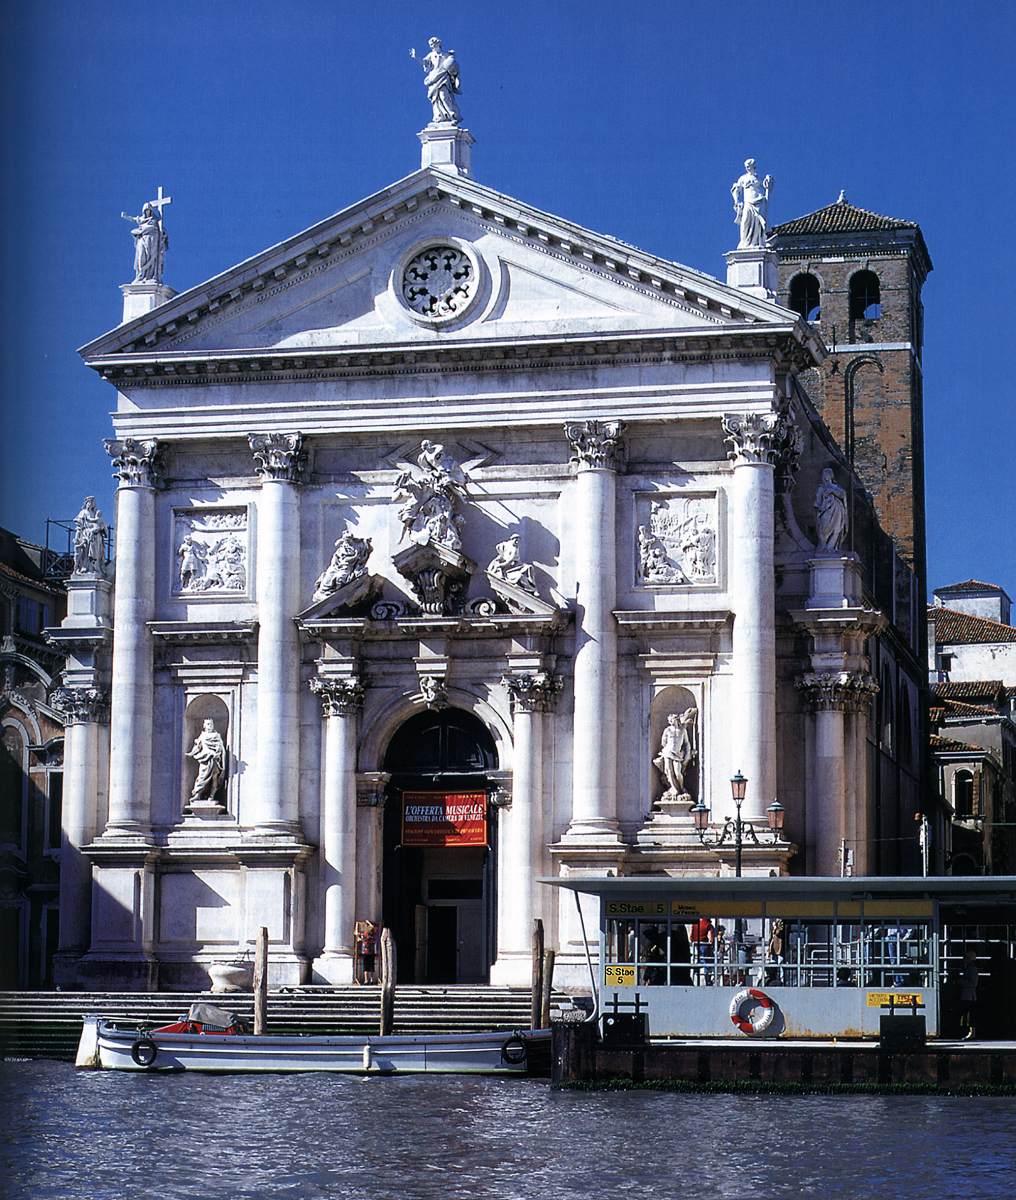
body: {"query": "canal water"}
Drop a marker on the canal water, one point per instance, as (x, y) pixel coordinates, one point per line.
(108, 1136)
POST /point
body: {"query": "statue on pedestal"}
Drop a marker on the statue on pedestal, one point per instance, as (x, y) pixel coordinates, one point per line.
(677, 751)
(751, 206)
(830, 512)
(430, 509)
(90, 533)
(150, 240)
(441, 78)
(209, 752)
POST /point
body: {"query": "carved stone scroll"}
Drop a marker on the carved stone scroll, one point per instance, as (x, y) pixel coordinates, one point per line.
(596, 444)
(278, 456)
(135, 463)
(534, 691)
(340, 697)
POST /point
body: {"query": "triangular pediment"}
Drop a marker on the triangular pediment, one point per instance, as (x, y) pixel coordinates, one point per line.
(343, 284)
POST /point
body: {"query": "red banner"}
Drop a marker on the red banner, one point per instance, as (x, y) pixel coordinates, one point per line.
(444, 818)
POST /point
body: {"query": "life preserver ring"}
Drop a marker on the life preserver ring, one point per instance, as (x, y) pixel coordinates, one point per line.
(752, 1011)
(513, 1051)
(143, 1051)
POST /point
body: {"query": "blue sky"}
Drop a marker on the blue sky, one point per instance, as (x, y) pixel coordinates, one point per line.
(262, 118)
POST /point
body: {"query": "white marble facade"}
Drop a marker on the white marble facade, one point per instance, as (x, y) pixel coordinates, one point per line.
(635, 423)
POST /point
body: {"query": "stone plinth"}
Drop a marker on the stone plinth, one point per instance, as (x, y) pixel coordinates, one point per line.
(754, 270)
(835, 581)
(141, 298)
(446, 147)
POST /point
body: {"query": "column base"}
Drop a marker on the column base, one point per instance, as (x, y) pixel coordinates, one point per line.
(332, 967)
(132, 833)
(593, 833)
(118, 973)
(66, 969)
(274, 831)
(514, 968)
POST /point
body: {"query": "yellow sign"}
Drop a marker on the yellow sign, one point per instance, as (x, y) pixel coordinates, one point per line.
(900, 999)
(619, 976)
(636, 908)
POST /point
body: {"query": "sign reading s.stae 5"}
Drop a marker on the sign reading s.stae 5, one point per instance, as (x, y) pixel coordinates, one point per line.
(444, 819)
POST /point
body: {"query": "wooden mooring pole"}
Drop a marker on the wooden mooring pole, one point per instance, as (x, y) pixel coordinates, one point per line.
(389, 970)
(537, 979)
(261, 982)
(548, 987)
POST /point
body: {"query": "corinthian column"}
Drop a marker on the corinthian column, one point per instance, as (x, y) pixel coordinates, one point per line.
(596, 456)
(83, 710)
(135, 464)
(278, 461)
(757, 441)
(830, 695)
(520, 832)
(341, 700)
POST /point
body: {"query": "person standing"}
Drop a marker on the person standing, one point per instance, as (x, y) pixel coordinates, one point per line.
(969, 980)
(703, 937)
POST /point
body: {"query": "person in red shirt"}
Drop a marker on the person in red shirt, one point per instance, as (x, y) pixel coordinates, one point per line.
(703, 939)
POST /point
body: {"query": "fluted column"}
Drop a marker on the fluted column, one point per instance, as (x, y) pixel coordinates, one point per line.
(341, 700)
(83, 710)
(520, 831)
(135, 464)
(757, 441)
(278, 461)
(596, 456)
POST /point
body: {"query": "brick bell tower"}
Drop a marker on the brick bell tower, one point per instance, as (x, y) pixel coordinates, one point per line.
(858, 276)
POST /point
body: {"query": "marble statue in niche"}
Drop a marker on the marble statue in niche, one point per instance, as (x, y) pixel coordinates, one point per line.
(209, 752)
(508, 565)
(751, 206)
(211, 551)
(830, 512)
(678, 543)
(349, 562)
(677, 751)
(90, 533)
(431, 503)
(441, 79)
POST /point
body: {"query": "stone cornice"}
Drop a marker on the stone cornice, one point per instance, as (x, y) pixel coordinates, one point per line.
(223, 367)
(204, 633)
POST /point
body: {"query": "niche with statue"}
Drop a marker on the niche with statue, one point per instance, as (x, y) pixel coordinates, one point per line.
(206, 757)
(674, 749)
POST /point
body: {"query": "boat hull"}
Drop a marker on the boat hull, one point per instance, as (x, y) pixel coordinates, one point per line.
(475, 1053)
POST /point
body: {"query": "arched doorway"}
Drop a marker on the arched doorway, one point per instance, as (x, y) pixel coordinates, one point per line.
(438, 882)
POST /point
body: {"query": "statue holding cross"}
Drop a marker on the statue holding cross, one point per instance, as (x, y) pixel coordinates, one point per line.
(150, 239)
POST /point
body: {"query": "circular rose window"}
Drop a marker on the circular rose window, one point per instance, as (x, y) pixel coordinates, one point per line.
(439, 283)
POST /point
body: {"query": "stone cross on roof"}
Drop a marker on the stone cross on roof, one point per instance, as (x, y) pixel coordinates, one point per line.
(160, 200)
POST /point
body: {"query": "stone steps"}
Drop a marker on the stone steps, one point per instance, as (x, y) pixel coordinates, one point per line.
(48, 1024)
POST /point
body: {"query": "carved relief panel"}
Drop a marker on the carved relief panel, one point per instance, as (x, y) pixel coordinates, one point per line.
(676, 540)
(211, 552)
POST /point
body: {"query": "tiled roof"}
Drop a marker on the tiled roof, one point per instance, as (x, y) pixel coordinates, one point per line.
(841, 217)
(964, 629)
(944, 743)
(988, 689)
(20, 577)
(970, 585)
(936, 715)
(957, 708)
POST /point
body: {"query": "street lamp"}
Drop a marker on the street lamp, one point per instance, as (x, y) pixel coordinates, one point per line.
(735, 830)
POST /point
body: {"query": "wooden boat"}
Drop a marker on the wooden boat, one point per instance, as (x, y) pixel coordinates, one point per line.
(212, 1039)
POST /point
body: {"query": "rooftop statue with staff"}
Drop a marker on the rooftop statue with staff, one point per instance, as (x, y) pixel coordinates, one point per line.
(150, 239)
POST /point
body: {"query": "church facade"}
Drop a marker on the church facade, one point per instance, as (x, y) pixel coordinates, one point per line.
(460, 546)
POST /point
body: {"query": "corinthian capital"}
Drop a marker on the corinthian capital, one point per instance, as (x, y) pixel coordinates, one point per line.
(757, 437)
(534, 692)
(596, 444)
(841, 691)
(342, 697)
(135, 464)
(81, 705)
(278, 455)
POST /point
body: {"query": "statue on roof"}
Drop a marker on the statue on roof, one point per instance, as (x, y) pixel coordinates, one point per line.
(751, 206)
(831, 517)
(441, 78)
(150, 240)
